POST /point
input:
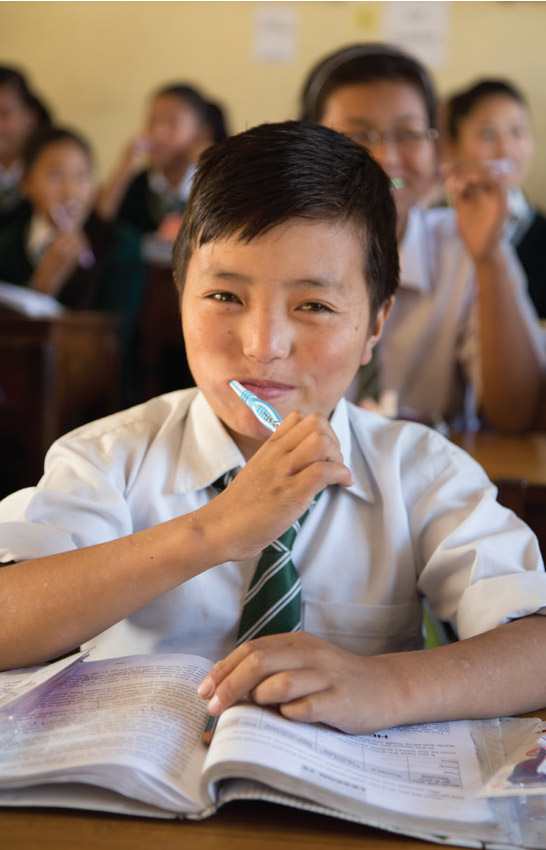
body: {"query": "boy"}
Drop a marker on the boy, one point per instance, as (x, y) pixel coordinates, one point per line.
(287, 264)
(463, 336)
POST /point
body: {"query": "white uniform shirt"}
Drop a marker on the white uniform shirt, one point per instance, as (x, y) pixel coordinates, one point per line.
(420, 519)
(430, 349)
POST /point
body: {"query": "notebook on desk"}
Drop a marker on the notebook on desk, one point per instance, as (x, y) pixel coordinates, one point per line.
(29, 302)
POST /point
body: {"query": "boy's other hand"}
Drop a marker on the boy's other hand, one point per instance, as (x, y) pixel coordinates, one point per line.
(480, 199)
(276, 487)
(310, 680)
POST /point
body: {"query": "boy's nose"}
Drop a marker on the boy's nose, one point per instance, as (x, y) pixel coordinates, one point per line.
(266, 338)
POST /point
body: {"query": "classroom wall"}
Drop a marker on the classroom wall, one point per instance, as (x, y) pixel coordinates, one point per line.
(96, 62)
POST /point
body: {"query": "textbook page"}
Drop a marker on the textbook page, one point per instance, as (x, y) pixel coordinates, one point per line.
(430, 770)
(132, 725)
(21, 690)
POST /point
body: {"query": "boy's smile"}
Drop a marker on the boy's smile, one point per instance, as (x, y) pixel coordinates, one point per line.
(287, 315)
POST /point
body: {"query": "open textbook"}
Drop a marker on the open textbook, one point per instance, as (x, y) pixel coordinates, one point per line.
(124, 735)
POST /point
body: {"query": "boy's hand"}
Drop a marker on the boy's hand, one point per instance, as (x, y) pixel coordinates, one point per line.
(276, 487)
(59, 261)
(310, 680)
(480, 200)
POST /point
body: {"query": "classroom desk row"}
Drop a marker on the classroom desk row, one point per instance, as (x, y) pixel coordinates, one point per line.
(238, 826)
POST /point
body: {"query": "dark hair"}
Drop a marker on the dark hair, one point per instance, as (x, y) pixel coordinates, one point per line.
(256, 180)
(462, 103)
(17, 81)
(216, 121)
(189, 95)
(365, 63)
(51, 135)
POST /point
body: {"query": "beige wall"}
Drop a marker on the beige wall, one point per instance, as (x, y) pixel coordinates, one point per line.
(96, 62)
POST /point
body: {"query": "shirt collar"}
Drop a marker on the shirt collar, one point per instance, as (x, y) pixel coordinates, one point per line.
(520, 216)
(207, 450)
(159, 184)
(414, 264)
(10, 177)
(353, 457)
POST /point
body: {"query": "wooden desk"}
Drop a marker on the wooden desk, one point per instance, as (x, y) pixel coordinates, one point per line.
(161, 353)
(518, 466)
(238, 826)
(53, 373)
(503, 457)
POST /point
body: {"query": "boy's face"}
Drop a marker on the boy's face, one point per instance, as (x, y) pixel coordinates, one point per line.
(287, 315)
(60, 183)
(498, 127)
(389, 107)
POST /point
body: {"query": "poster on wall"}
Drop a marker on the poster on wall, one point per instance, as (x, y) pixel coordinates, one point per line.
(275, 33)
(419, 27)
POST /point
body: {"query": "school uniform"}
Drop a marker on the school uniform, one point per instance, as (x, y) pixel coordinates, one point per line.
(420, 520)
(10, 198)
(115, 281)
(430, 349)
(150, 198)
(526, 230)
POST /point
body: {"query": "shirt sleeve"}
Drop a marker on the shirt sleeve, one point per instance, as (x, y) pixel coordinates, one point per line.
(80, 501)
(482, 565)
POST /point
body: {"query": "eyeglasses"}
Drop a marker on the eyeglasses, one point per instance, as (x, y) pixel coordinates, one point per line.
(402, 139)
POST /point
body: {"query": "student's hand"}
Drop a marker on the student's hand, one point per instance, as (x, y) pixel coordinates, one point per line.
(310, 680)
(275, 488)
(480, 199)
(134, 157)
(59, 261)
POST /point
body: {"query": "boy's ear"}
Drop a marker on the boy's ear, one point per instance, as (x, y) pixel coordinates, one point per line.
(377, 330)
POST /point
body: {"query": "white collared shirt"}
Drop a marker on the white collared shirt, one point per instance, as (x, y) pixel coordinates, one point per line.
(159, 184)
(420, 519)
(430, 349)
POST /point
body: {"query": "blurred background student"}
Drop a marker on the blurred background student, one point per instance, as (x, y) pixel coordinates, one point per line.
(152, 182)
(21, 113)
(490, 122)
(56, 244)
(462, 340)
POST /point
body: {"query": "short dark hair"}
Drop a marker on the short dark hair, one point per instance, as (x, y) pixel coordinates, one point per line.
(365, 63)
(462, 103)
(52, 135)
(256, 180)
(16, 80)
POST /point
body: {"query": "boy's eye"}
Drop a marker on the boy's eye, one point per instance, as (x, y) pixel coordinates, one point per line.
(315, 307)
(224, 297)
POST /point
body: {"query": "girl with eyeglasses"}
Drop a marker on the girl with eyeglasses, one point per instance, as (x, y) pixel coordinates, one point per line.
(463, 343)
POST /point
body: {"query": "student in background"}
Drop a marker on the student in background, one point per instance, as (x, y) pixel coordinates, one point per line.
(490, 122)
(21, 113)
(462, 337)
(134, 541)
(151, 184)
(57, 245)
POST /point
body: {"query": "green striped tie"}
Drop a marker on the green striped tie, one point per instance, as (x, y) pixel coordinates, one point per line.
(272, 603)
